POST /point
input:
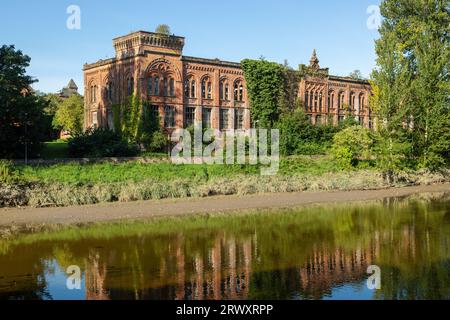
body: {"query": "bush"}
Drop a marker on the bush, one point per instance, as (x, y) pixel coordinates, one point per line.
(352, 145)
(99, 143)
(159, 142)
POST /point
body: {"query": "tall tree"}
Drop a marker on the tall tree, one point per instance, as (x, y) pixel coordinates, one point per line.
(69, 115)
(21, 111)
(411, 81)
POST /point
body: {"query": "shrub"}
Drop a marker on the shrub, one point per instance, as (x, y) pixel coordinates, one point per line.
(98, 143)
(352, 145)
(158, 142)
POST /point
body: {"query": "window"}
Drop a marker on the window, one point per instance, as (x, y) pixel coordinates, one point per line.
(306, 100)
(109, 91)
(206, 118)
(154, 109)
(186, 89)
(223, 119)
(330, 100)
(156, 88)
(166, 87)
(130, 86)
(239, 119)
(206, 89)
(169, 117)
(320, 102)
(341, 118)
(189, 116)
(94, 119)
(341, 101)
(93, 93)
(150, 86)
(238, 91)
(172, 87)
(352, 101)
(224, 90)
(193, 86)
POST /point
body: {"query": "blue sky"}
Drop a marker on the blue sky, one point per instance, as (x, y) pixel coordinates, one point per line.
(229, 30)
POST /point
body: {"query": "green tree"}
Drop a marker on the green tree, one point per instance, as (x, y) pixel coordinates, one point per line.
(411, 81)
(70, 114)
(163, 29)
(22, 117)
(357, 75)
(352, 145)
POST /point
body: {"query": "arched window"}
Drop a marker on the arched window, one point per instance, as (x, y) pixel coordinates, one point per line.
(362, 102)
(311, 101)
(109, 91)
(238, 91)
(189, 88)
(93, 93)
(224, 90)
(206, 88)
(351, 101)
(341, 101)
(330, 100)
(320, 102)
(130, 85)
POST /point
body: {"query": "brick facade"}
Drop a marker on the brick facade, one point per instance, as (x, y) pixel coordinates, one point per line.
(184, 89)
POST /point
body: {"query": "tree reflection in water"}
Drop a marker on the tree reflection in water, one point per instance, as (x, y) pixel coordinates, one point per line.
(295, 254)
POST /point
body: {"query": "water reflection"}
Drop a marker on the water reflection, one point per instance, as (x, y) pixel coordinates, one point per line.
(312, 253)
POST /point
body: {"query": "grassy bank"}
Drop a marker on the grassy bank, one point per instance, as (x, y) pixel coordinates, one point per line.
(75, 184)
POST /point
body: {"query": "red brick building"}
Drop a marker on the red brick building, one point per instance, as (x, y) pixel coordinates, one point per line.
(185, 90)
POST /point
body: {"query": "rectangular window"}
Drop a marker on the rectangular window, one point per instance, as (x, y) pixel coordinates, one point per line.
(169, 117)
(239, 119)
(172, 87)
(189, 116)
(166, 87)
(206, 118)
(223, 119)
(156, 86)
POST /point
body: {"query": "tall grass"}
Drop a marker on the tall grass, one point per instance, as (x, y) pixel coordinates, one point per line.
(75, 184)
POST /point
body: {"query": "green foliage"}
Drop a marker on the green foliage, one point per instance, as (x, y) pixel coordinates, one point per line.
(163, 29)
(6, 171)
(69, 115)
(136, 123)
(411, 82)
(22, 117)
(98, 143)
(299, 136)
(352, 145)
(357, 75)
(265, 87)
(55, 150)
